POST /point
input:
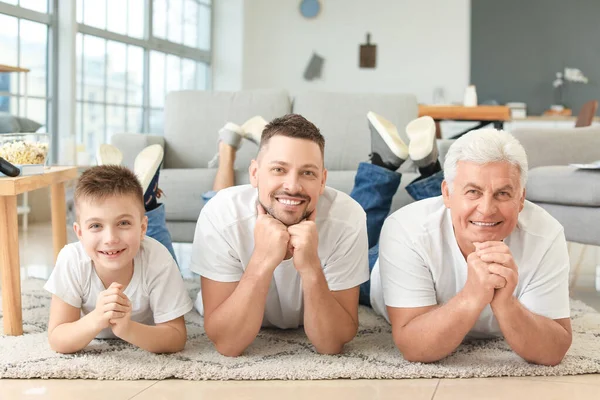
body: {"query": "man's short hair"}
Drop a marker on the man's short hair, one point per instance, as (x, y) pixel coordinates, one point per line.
(104, 181)
(293, 126)
(485, 146)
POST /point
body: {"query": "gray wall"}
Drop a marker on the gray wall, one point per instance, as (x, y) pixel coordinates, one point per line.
(517, 46)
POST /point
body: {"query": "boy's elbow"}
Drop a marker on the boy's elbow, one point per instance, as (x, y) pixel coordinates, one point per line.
(58, 347)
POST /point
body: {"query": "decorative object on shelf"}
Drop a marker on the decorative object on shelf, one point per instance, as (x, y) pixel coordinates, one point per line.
(310, 8)
(558, 111)
(439, 96)
(368, 54)
(573, 75)
(314, 68)
(470, 99)
(517, 109)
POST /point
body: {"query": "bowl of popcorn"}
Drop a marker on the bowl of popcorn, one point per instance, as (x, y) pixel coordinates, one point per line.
(27, 151)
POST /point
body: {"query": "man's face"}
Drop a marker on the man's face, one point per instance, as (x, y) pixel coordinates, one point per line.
(290, 177)
(111, 230)
(485, 202)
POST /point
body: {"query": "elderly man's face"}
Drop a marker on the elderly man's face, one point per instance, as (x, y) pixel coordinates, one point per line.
(485, 202)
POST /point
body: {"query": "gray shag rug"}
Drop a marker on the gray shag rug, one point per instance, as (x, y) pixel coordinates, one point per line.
(277, 354)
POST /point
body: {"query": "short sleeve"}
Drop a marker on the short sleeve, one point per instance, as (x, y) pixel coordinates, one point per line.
(547, 293)
(168, 295)
(348, 264)
(406, 280)
(65, 282)
(212, 256)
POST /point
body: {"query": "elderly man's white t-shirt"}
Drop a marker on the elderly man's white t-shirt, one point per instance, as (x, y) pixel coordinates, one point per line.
(224, 243)
(420, 263)
(156, 290)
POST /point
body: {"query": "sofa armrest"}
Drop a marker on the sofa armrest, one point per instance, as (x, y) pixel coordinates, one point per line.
(131, 144)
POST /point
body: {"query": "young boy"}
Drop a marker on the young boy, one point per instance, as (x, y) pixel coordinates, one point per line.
(115, 282)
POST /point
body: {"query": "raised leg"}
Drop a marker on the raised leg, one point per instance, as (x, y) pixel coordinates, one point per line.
(10, 266)
(59, 217)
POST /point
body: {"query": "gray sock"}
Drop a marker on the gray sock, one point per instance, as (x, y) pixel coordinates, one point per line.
(230, 137)
(381, 154)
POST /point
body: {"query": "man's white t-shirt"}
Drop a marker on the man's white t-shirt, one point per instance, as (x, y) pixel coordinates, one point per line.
(156, 290)
(420, 263)
(224, 242)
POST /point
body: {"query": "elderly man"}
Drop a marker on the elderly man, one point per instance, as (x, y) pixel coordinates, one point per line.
(479, 261)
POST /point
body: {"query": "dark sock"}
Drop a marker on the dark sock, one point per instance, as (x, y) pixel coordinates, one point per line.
(150, 202)
(381, 154)
(377, 160)
(430, 169)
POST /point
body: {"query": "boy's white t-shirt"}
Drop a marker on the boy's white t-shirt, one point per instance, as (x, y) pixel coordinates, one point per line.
(420, 263)
(156, 290)
(224, 242)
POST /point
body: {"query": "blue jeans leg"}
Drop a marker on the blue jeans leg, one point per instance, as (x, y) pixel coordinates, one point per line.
(157, 228)
(365, 289)
(427, 187)
(374, 189)
(208, 195)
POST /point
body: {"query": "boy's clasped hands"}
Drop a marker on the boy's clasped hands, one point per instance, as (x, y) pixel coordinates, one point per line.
(113, 309)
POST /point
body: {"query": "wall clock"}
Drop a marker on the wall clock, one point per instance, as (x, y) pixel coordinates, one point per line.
(310, 8)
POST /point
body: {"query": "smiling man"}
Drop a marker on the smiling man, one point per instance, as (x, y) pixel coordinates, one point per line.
(479, 261)
(285, 251)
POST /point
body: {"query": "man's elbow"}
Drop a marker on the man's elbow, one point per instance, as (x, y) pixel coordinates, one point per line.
(228, 350)
(329, 348)
(551, 360)
(413, 354)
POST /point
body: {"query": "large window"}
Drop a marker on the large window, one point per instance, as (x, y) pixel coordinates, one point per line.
(130, 53)
(24, 32)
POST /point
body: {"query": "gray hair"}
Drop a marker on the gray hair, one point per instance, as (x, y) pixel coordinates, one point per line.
(485, 146)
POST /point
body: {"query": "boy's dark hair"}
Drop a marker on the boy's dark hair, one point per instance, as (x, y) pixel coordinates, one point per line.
(293, 126)
(104, 181)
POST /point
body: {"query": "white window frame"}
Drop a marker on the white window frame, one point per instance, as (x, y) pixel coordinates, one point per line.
(48, 19)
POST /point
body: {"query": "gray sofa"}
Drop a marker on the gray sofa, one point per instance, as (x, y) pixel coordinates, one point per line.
(193, 118)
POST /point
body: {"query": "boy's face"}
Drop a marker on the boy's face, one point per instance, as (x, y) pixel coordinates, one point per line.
(111, 230)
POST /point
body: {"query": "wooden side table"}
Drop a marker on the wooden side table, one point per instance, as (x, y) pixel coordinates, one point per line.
(484, 115)
(10, 266)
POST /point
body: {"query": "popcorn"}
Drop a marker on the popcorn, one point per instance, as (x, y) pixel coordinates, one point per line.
(24, 152)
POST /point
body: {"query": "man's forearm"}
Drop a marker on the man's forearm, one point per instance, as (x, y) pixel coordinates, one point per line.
(326, 323)
(437, 333)
(73, 336)
(233, 325)
(537, 339)
(156, 339)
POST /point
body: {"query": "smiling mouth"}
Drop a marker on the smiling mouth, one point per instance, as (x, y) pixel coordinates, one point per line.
(112, 252)
(290, 202)
(485, 224)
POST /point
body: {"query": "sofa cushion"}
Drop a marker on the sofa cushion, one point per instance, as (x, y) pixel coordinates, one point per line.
(553, 146)
(342, 119)
(183, 189)
(193, 119)
(12, 124)
(580, 223)
(564, 185)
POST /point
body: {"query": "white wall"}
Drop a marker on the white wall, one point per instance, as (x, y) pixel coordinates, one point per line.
(228, 44)
(421, 45)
